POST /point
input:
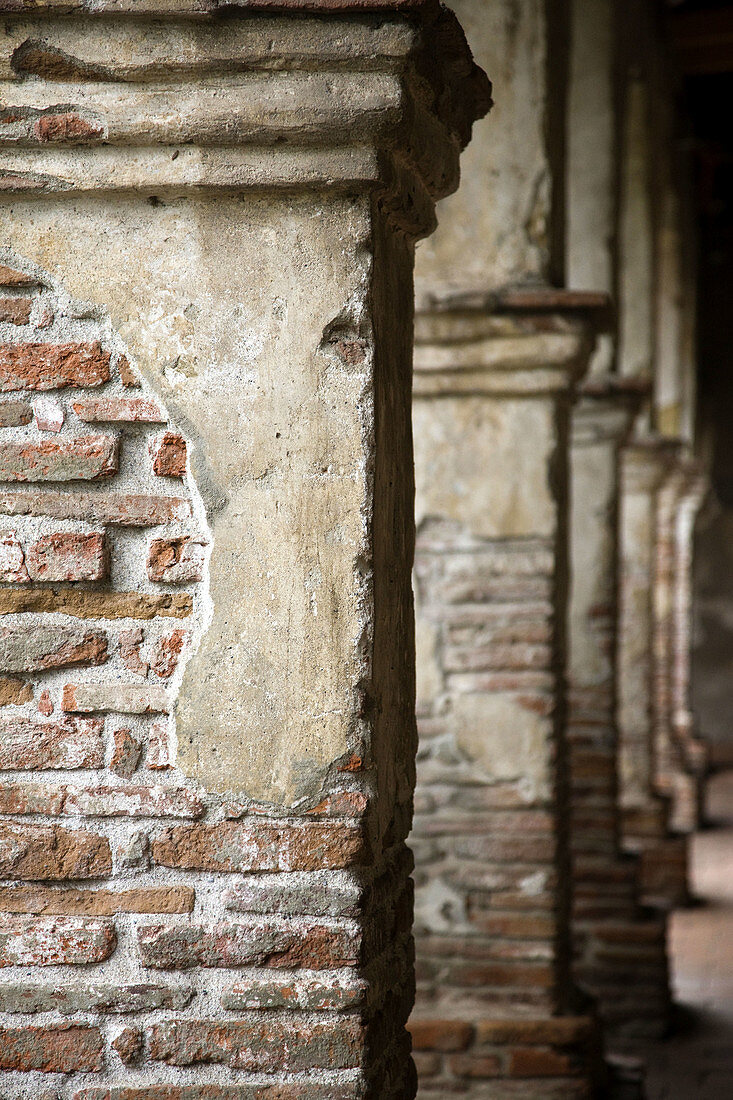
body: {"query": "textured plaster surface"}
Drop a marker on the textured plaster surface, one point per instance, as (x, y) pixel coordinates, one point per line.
(495, 229)
(217, 324)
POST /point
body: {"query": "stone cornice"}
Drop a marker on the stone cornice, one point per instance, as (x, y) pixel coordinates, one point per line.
(607, 408)
(464, 352)
(256, 101)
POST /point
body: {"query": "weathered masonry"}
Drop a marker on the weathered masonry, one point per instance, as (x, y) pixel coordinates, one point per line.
(207, 732)
(553, 410)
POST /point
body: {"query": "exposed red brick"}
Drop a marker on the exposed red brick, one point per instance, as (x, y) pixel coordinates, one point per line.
(442, 1035)
(128, 801)
(258, 845)
(33, 852)
(159, 756)
(530, 1062)
(169, 455)
(14, 692)
(129, 1045)
(126, 753)
(130, 642)
(258, 943)
(127, 374)
(61, 1048)
(50, 645)
(66, 556)
(85, 604)
(52, 366)
(84, 459)
(15, 311)
(69, 901)
(15, 413)
(176, 561)
(131, 409)
(13, 568)
(476, 1066)
(120, 509)
(67, 743)
(10, 277)
(55, 941)
(123, 698)
(260, 1046)
(45, 704)
(66, 127)
(164, 660)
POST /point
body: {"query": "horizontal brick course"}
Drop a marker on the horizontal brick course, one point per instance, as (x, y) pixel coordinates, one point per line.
(260, 943)
(70, 901)
(54, 941)
(275, 1045)
(83, 459)
(11, 276)
(34, 852)
(67, 556)
(113, 999)
(307, 994)
(122, 698)
(260, 846)
(132, 409)
(31, 648)
(63, 1048)
(52, 366)
(63, 744)
(84, 604)
(121, 509)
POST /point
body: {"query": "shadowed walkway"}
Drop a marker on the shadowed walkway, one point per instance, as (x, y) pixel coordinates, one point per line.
(696, 1063)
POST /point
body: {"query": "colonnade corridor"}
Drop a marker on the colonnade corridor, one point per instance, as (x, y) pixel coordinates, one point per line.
(696, 1061)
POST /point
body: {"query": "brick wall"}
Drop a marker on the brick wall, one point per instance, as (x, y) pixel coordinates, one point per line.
(157, 942)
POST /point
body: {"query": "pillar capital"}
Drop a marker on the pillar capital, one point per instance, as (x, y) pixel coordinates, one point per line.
(499, 351)
(362, 94)
(606, 409)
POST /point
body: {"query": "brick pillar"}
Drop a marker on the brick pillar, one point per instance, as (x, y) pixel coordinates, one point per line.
(680, 756)
(492, 401)
(686, 814)
(644, 811)
(620, 950)
(207, 534)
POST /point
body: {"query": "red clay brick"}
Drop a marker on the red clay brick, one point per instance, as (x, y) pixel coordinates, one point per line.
(526, 1062)
(258, 943)
(122, 698)
(70, 901)
(9, 276)
(258, 845)
(66, 556)
(84, 459)
(36, 852)
(442, 1035)
(55, 941)
(52, 366)
(117, 509)
(285, 1046)
(126, 753)
(62, 1048)
(164, 659)
(64, 744)
(176, 561)
(169, 456)
(15, 311)
(66, 128)
(130, 409)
